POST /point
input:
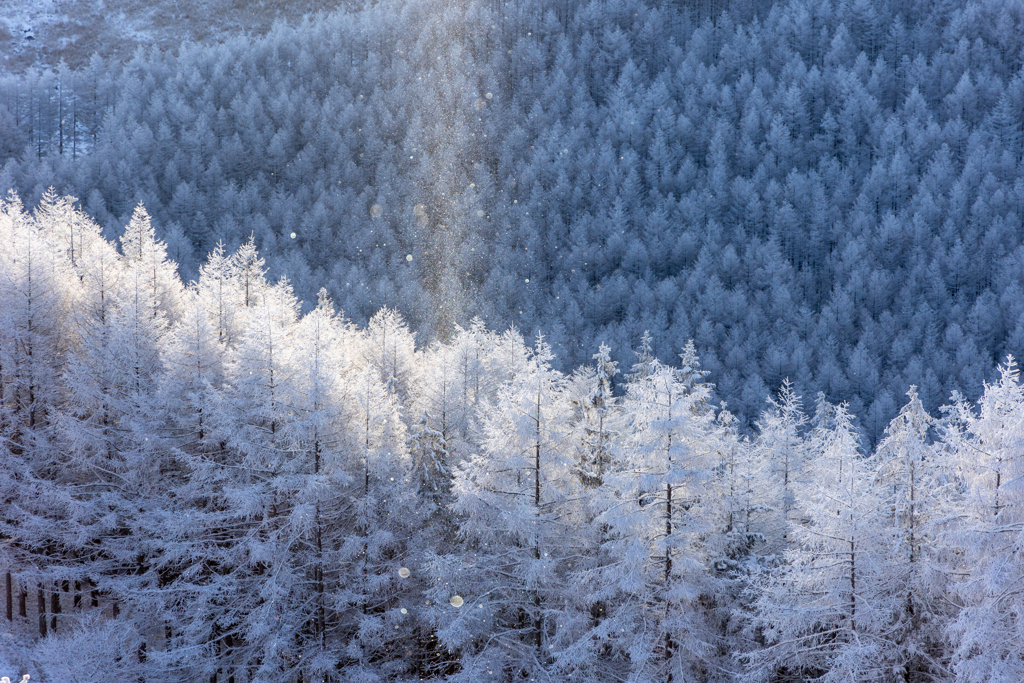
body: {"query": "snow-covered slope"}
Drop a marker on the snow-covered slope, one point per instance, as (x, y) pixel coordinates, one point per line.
(38, 32)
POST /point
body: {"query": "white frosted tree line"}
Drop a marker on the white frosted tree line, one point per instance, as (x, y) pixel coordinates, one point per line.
(200, 482)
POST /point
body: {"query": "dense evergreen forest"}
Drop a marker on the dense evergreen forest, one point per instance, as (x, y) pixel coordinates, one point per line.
(198, 483)
(344, 365)
(826, 191)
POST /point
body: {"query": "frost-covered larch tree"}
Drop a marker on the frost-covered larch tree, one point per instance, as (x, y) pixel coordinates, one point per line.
(110, 419)
(390, 349)
(783, 453)
(915, 484)
(987, 445)
(37, 518)
(660, 505)
(379, 504)
(443, 390)
(827, 612)
(255, 411)
(596, 431)
(499, 602)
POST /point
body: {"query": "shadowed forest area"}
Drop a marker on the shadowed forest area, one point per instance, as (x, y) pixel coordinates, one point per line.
(829, 192)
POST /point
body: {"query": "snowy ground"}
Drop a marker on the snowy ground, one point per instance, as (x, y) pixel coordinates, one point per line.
(20, 22)
(6, 668)
(43, 32)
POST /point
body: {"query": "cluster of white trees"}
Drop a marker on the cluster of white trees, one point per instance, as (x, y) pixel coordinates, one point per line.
(198, 483)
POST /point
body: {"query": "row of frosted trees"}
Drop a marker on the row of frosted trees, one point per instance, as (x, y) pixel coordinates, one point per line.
(198, 483)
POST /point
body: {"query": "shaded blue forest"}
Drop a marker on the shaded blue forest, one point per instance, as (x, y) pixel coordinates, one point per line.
(825, 191)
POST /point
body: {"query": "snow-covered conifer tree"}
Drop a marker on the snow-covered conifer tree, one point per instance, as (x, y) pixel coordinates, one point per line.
(827, 613)
(223, 286)
(595, 427)
(781, 447)
(35, 283)
(660, 505)
(256, 501)
(443, 389)
(390, 350)
(987, 633)
(916, 489)
(499, 602)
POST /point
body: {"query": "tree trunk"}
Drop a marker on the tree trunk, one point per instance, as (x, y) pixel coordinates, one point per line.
(229, 645)
(668, 545)
(54, 606)
(219, 646)
(853, 588)
(538, 620)
(321, 612)
(42, 610)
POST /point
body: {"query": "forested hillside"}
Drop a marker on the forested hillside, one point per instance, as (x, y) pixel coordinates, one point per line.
(198, 483)
(825, 191)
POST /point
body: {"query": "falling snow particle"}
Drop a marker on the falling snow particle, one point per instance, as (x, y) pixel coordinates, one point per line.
(376, 211)
(404, 611)
(488, 95)
(404, 572)
(456, 601)
(527, 280)
(408, 257)
(479, 213)
(293, 235)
